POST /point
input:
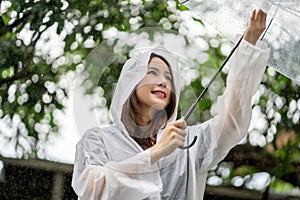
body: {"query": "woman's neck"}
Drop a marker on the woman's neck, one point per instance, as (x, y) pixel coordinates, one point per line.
(144, 118)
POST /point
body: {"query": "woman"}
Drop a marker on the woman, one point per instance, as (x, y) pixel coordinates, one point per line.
(138, 156)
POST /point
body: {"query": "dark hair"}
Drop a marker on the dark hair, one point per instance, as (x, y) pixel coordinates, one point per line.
(146, 136)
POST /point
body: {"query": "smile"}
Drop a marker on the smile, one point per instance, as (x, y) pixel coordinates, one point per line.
(159, 93)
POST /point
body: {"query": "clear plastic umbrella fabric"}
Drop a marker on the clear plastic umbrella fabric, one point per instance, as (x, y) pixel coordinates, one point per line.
(230, 18)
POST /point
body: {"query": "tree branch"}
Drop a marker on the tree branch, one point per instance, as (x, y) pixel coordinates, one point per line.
(24, 74)
(9, 28)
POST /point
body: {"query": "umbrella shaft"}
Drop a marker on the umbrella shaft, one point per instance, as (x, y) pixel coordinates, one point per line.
(191, 109)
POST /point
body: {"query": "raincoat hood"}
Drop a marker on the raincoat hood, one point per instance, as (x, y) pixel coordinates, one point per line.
(132, 73)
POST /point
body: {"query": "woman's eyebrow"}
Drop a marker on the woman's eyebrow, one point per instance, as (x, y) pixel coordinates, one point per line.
(156, 69)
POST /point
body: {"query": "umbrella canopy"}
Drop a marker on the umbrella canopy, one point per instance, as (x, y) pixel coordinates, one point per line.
(231, 17)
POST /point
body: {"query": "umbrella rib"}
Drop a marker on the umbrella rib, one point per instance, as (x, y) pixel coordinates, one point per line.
(266, 29)
(184, 1)
(286, 1)
(286, 8)
(290, 10)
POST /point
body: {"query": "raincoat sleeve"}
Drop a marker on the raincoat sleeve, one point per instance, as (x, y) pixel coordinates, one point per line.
(233, 109)
(95, 177)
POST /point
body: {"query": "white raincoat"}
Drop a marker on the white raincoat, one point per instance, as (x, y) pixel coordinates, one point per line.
(109, 164)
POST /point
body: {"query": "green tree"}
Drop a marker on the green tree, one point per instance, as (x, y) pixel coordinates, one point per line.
(30, 76)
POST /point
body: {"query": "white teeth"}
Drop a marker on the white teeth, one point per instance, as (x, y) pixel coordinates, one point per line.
(159, 93)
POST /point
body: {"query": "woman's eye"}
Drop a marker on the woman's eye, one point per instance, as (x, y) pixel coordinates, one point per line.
(151, 72)
(168, 78)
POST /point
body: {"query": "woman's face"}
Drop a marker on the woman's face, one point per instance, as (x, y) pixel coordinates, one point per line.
(154, 90)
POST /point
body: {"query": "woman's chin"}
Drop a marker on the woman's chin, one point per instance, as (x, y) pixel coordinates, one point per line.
(157, 107)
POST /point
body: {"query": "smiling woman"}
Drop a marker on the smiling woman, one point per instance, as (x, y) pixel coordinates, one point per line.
(138, 157)
(151, 104)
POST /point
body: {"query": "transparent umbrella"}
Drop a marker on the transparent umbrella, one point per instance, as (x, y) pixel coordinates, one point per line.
(231, 17)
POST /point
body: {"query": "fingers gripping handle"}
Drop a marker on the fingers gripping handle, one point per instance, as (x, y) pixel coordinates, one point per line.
(194, 140)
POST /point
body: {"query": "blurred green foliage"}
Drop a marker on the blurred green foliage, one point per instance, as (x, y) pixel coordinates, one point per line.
(31, 86)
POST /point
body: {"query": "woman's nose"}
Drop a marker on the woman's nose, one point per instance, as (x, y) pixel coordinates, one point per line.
(162, 83)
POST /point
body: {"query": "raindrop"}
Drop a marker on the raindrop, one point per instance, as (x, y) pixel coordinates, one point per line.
(20, 100)
(298, 104)
(35, 78)
(214, 181)
(31, 122)
(237, 181)
(133, 20)
(13, 14)
(18, 43)
(279, 102)
(172, 6)
(76, 59)
(214, 43)
(46, 98)
(173, 18)
(99, 27)
(202, 58)
(296, 117)
(65, 5)
(11, 98)
(1, 166)
(105, 13)
(50, 86)
(292, 106)
(84, 20)
(79, 68)
(87, 29)
(135, 2)
(202, 43)
(89, 43)
(270, 137)
(226, 49)
(135, 12)
(38, 108)
(4, 6)
(225, 172)
(261, 141)
(167, 26)
(271, 71)
(4, 74)
(259, 181)
(99, 91)
(289, 114)
(74, 45)
(12, 89)
(37, 127)
(25, 97)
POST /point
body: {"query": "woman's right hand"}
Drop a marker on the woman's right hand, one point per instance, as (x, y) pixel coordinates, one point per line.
(173, 137)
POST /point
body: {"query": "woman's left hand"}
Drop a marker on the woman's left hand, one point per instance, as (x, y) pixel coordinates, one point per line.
(256, 26)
